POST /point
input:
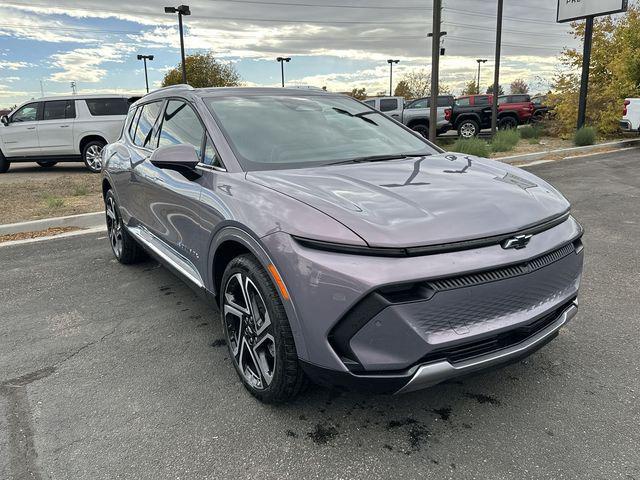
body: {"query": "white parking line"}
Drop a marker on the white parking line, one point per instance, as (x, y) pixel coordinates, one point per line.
(75, 233)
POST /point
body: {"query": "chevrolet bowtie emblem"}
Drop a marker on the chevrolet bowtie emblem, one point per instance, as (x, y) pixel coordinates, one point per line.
(517, 242)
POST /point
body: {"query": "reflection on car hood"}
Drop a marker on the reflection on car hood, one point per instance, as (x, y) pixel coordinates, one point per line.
(422, 201)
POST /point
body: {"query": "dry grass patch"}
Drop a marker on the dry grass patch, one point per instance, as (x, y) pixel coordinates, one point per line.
(33, 199)
(42, 233)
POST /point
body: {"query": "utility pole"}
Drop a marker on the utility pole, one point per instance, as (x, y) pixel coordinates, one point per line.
(584, 83)
(145, 58)
(496, 71)
(435, 68)
(391, 62)
(480, 60)
(282, 60)
(73, 87)
(180, 10)
(41, 88)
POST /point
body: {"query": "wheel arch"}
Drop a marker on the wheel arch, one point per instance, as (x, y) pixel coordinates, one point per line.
(418, 121)
(468, 116)
(90, 138)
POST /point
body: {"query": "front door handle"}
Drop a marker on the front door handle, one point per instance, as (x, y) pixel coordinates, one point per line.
(64, 126)
(31, 128)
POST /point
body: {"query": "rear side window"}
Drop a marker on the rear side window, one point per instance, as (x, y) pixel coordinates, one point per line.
(99, 107)
(146, 120)
(422, 103)
(181, 125)
(520, 99)
(445, 101)
(463, 102)
(371, 103)
(481, 101)
(59, 110)
(388, 104)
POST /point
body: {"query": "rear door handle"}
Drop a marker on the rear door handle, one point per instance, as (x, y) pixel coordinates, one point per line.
(64, 126)
(31, 128)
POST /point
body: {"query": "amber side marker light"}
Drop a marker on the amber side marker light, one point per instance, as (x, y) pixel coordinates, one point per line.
(276, 276)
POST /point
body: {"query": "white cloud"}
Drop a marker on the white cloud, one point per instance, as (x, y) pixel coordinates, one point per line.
(40, 28)
(14, 65)
(83, 64)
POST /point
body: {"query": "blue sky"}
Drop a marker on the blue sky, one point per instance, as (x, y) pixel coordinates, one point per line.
(340, 44)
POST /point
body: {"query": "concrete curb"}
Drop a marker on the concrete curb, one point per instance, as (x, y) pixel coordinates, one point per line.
(527, 157)
(75, 233)
(85, 220)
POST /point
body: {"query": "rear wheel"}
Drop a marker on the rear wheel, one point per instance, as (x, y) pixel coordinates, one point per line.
(422, 130)
(258, 333)
(124, 247)
(45, 164)
(468, 129)
(92, 155)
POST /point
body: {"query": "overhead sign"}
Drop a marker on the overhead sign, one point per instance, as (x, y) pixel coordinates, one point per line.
(569, 10)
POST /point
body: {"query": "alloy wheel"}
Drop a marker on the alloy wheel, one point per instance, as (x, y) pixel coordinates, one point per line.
(93, 156)
(249, 331)
(468, 130)
(114, 227)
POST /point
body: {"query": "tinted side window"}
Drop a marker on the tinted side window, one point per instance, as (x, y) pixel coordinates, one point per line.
(371, 103)
(520, 99)
(146, 121)
(107, 106)
(57, 110)
(463, 102)
(28, 113)
(388, 104)
(445, 101)
(180, 124)
(481, 101)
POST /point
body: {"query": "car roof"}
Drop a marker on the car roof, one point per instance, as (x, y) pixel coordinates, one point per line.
(79, 97)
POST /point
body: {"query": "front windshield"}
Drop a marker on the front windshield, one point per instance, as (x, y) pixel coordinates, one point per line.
(277, 132)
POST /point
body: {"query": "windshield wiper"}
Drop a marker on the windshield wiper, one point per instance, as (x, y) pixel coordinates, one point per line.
(377, 158)
(357, 115)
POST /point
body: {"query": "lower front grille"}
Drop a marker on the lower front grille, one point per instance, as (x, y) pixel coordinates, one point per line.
(467, 351)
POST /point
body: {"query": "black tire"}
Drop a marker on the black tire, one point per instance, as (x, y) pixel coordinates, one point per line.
(45, 164)
(4, 164)
(421, 129)
(88, 155)
(287, 378)
(468, 128)
(507, 123)
(123, 245)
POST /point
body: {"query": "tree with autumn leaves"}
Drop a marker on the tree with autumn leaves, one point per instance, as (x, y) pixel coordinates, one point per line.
(613, 76)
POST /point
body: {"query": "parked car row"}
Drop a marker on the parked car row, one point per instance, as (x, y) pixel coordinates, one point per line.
(467, 114)
(62, 129)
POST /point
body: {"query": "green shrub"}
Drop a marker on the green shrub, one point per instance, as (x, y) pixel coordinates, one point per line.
(79, 191)
(533, 141)
(471, 146)
(531, 131)
(505, 140)
(585, 136)
(54, 202)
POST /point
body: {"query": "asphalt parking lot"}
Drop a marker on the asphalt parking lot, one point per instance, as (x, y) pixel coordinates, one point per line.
(109, 371)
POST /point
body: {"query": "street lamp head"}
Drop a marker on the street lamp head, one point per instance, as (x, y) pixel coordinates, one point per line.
(170, 10)
(182, 9)
(283, 59)
(393, 61)
(140, 57)
(481, 60)
(150, 57)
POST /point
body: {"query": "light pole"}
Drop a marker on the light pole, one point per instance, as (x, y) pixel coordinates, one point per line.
(391, 62)
(181, 10)
(282, 60)
(73, 87)
(480, 60)
(145, 58)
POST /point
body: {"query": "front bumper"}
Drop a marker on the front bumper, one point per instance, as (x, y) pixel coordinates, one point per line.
(429, 374)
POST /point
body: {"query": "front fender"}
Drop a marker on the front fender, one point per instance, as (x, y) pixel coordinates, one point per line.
(232, 231)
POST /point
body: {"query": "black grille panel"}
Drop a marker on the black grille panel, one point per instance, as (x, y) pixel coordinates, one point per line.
(502, 273)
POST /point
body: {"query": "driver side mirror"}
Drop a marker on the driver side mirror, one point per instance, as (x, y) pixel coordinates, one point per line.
(5, 120)
(181, 158)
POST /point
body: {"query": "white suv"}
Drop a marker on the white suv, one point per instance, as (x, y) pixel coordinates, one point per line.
(62, 129)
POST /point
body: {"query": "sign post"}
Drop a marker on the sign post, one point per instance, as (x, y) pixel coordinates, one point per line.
(571, 10)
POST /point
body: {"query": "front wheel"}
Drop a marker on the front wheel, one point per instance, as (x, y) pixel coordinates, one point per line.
(124, 247)
(44, 164)
(258, 334)
(422, 130)
(92, 155)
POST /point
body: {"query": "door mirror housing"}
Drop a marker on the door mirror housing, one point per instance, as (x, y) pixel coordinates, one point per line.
(5, 120)
(181, 158)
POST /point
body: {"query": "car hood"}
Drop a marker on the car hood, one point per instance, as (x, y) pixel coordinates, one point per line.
(422, 201)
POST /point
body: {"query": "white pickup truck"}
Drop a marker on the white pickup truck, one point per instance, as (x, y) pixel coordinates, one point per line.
(631, 115)
(62, 129)
(414, 114)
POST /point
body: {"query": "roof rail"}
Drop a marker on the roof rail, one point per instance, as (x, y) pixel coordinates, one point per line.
(180, 86)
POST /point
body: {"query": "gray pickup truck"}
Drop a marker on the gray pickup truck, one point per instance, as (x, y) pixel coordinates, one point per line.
(414, 114)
